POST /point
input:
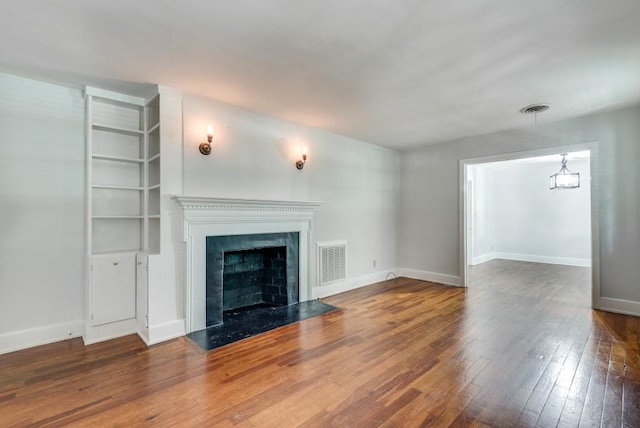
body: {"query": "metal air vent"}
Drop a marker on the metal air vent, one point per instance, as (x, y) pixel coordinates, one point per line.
(534, 108)
(332, 263)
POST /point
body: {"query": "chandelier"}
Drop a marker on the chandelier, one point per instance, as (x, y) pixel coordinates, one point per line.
(564, 179)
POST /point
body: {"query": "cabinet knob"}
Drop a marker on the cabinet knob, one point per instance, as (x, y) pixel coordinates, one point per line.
(115, 263)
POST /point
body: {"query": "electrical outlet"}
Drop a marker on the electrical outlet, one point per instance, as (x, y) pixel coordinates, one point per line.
(375, 263)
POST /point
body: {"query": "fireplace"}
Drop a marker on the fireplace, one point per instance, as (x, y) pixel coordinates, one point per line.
(205, 217)
(250, 270)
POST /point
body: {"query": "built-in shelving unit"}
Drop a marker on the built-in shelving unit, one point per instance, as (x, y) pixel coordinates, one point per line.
(152, 162)
(123, 210)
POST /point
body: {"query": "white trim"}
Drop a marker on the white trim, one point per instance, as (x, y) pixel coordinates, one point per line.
(350, 284)
(163, 90)
(568, 261)
(196, 203)
(595, 225)
(114, 96)
(423, 275)
(143, 332)
(483, 258)
(463, 216)
(620, 306)
(463, 211)
(165, 331)
(222, 216)
(30, 337)
(100, 333)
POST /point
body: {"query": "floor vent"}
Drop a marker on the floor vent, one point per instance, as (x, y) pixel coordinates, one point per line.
(332, 261)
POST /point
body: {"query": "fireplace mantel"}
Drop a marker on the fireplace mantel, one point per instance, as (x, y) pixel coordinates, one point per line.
(195, 203)
(205, 216)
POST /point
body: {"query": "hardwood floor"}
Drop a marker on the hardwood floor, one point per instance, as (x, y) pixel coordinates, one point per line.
(519, 348)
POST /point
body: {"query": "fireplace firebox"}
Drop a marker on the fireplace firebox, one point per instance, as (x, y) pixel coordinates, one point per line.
(254, 277)
(250, 270)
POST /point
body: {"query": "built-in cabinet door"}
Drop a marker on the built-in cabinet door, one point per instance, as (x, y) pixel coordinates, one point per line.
(113, 288)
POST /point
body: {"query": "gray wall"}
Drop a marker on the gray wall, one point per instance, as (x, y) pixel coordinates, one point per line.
(428, 232)
(254, 157)
(41, 205)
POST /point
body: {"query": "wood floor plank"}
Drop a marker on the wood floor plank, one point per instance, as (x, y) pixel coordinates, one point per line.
(594, 400)
(519, 347)
(631, 400)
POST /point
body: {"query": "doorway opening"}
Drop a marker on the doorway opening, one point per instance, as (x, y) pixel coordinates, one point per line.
(508, 212)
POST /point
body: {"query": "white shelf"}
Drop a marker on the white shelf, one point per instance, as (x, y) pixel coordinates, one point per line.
(154, 128)
(117, 217)
(117, 158)
(132, 250)
(114, 187)
(153, 179)
(126, 131)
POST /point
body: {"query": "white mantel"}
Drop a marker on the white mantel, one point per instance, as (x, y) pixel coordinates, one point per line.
(222, 216)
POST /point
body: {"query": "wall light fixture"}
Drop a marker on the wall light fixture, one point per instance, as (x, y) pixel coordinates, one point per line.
(300, 163)
(205, 148)
(564, 179)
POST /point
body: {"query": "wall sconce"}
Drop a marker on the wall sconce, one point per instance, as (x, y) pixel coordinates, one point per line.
(205, 148)
(300, 163)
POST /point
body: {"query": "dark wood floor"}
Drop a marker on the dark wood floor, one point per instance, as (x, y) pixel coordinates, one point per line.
(519, 348)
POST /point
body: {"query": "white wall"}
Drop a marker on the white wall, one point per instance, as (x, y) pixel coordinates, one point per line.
(42, 210)
(428, 235)
(254, 157)
(42, 187)
(525, 220)
(481, 227)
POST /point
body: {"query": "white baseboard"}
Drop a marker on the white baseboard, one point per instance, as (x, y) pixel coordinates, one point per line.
(350, 284)
(543, 259)
(28, 338)
(166, 331)
(424, 275)
(483, 258)
(620, 306)
(100, 333)
(143, 332)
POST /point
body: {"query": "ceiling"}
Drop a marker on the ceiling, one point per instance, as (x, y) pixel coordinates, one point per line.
(400, 73)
